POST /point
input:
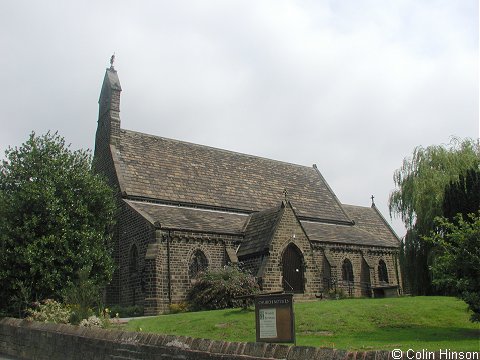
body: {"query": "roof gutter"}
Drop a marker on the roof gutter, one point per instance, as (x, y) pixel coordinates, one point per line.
(169, 275)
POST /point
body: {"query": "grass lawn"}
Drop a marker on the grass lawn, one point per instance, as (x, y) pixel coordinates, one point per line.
(430, 323)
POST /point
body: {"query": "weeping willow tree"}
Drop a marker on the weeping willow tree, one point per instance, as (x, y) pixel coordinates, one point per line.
(418, 199)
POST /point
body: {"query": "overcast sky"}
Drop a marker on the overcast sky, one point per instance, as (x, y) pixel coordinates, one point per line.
(350, 85)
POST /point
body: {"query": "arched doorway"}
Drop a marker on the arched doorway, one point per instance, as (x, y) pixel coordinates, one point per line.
(292, 270)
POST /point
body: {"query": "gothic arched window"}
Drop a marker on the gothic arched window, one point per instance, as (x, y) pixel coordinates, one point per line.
(347, 271)
(382, 271)
(133, 260)
(198, 264)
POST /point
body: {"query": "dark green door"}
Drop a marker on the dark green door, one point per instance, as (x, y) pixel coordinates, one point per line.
(292, 263)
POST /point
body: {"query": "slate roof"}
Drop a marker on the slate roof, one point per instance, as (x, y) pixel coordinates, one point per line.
(176, 171)
(174, 217)
(370, 229)
(173, 171)
(258, 228)
(259, 231)
(371, 220)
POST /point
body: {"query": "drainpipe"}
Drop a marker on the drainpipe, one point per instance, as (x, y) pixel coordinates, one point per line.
(169, 277)
(395, 260)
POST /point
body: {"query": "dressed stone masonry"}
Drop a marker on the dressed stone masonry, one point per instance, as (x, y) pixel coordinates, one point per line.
(185, 208)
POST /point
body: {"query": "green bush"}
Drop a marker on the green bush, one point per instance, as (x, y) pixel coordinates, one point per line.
(83, 295)
(126, 311)
(49, 311)
(179, 308)
(337, 294)
(79, 313)
(217, 289)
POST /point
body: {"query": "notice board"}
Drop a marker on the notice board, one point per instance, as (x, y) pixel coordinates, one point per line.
(274, 318)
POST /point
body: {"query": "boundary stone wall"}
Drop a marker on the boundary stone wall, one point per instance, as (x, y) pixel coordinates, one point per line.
(34, 340)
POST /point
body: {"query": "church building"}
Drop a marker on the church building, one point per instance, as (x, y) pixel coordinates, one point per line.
(185, 208)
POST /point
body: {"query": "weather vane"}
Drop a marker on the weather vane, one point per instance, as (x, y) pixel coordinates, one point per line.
(373, 202)
(112, 60)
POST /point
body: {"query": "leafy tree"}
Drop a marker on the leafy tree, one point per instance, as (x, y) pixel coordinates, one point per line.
(462, 196)
(457, 266)
(418, 199)
(55, 219)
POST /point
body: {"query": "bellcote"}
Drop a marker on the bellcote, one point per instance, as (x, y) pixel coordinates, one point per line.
(110, 94)
(108, 129)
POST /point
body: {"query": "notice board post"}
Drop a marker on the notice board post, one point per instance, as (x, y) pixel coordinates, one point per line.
(274, 318)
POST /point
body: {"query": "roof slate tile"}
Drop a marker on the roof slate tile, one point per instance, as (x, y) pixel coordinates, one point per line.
(181, 218)
(370, 229)
(259, 231)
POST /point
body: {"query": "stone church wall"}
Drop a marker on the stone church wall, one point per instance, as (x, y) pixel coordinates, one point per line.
(183, 247)
(169, 266)
(133, 231)
(103, 164)
(322, 275)
(365, 262)
(356, 259)
(163, 276)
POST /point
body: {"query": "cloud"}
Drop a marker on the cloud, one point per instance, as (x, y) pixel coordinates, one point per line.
(352, 86)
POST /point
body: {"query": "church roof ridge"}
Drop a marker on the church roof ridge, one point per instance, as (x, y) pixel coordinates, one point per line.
(357, 206)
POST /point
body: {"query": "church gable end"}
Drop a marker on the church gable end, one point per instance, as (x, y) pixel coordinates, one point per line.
(290, 242)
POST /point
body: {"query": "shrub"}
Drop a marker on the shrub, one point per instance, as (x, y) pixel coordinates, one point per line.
(95, 321)
(179, 308)
(100, 321)
(337, 294)
(126, 311)
(79, 313)
(217, 289)
(49, 311)
(84, 295)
